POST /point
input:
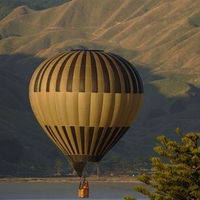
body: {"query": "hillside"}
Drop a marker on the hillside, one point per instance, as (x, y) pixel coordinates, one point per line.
(160, 38)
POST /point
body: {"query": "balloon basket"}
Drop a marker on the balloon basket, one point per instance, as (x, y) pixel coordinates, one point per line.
(83, 190)
(83, 193)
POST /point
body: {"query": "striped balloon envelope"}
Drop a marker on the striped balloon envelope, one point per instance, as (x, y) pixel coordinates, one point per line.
(85, 101)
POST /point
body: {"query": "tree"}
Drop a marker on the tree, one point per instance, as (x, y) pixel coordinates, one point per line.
(58, 164)
(129, 198)
(179, 178)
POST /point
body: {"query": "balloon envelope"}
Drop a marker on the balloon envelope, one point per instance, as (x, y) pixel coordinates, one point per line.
(85, 101)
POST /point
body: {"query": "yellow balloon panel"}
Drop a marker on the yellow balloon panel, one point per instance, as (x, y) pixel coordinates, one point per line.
(85, 109)
(84, 112)
(96, 108)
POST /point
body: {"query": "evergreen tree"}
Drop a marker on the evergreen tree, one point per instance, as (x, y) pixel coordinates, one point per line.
(58, 164)
(179, 178)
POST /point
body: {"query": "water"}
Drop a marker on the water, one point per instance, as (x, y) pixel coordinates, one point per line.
(66, 190)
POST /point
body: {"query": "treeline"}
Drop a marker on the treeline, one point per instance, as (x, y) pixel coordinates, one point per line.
(110, 166)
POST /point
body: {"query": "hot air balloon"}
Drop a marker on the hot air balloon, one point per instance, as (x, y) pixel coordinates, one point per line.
(85, 101)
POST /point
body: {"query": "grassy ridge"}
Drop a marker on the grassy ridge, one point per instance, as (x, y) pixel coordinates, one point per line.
(161, 38)
(8, 5)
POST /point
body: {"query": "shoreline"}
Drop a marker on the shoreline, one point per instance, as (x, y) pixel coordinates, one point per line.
(69, 179)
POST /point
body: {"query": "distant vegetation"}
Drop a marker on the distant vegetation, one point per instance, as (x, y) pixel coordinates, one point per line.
(112, 166)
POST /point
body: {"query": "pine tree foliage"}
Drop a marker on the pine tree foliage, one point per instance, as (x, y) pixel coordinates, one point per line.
(178, 178)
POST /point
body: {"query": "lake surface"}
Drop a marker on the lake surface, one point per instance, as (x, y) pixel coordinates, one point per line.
(66, 190)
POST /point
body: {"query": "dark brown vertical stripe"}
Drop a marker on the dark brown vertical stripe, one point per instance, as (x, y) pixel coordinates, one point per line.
(71, 73)
(51, 72)
(117, 81)
(136, 79)
(82, 73)
(66, 147)
(74, 138)
(124, 73)
(60, 73)
(133, 84)
(117, 137)
(51, 133)
(91, 133)
(109, 141)
(55, 139)
(132, 74)
(37, 84)
(100, 130)
(39, 77)
(68, 140)
(82, 130)
(139, 80)
(105, 73)
(105, 138)
(94, 74)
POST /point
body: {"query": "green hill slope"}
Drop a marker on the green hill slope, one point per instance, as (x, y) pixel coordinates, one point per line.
(161, 38)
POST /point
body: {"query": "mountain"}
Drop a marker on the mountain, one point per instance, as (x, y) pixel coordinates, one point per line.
(160, 38)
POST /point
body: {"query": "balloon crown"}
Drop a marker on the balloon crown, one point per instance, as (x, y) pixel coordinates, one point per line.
(98, 50)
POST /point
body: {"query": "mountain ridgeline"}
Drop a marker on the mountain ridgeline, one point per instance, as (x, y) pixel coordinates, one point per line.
(160, 38)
